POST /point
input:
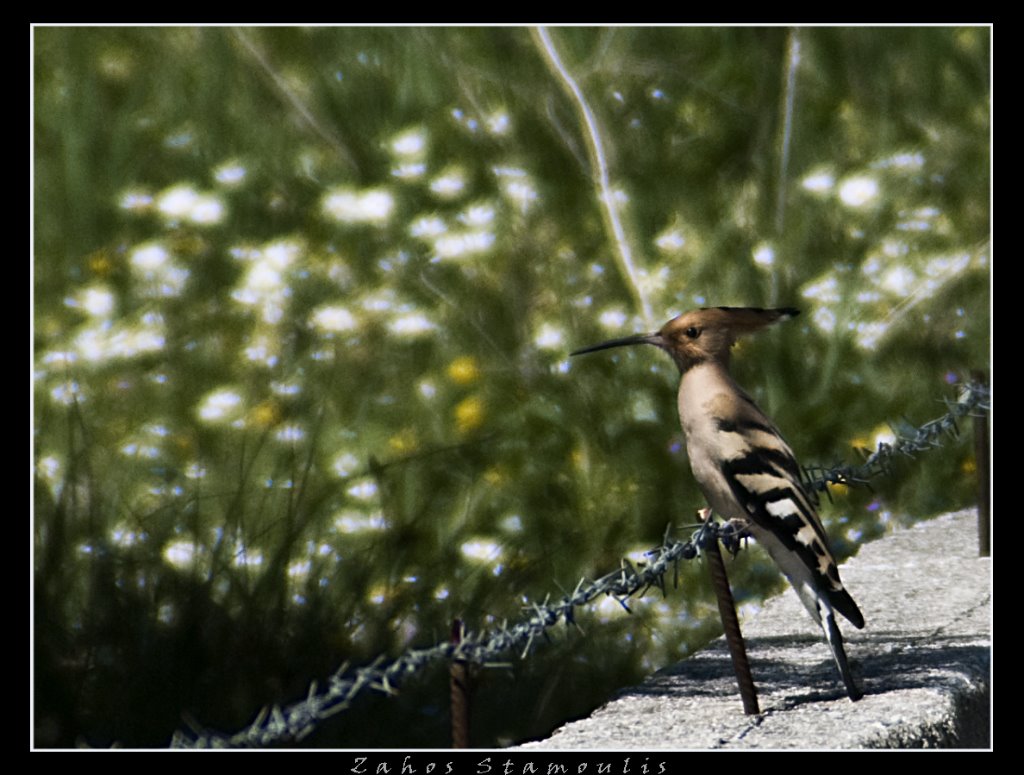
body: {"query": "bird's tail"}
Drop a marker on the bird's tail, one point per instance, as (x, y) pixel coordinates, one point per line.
(844, 604)
(835, 642)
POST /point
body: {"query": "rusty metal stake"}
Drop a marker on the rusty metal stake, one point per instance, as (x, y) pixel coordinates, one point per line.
(981, 463)
(731, 624)
(459, 693)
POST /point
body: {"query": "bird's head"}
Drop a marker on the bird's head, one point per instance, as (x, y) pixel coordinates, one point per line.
(702, 334)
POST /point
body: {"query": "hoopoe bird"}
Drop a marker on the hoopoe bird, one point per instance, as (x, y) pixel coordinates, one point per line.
(744, 468)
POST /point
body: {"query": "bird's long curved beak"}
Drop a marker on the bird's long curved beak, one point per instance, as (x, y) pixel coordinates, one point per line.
(654, 339)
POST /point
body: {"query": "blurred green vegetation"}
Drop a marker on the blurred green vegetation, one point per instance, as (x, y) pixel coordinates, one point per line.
(302, 307)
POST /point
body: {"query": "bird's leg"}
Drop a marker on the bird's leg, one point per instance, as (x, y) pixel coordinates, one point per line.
(707, 531)
(730, 533)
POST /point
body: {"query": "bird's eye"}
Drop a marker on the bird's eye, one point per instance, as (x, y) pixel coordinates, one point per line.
(692, 332)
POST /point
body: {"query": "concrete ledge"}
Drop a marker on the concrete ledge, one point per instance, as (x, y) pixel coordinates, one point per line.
(923, 660)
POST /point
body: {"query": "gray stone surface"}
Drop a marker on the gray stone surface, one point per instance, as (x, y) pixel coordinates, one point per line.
(923, 660)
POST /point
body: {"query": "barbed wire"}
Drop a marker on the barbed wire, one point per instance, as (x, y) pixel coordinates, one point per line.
(907, 442)
(279, 724)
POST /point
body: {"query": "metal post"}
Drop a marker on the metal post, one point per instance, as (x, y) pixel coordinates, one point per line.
(459, 693)
(731, 624)
(981, 462)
